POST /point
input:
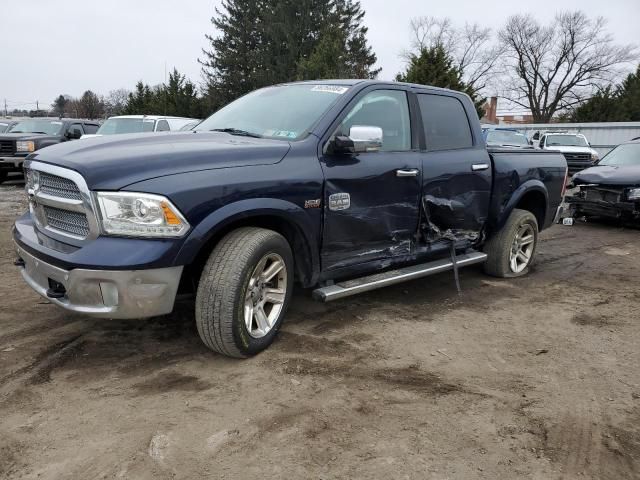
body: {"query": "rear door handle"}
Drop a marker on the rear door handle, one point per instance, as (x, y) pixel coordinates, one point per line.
(476, 167)
(411, 172)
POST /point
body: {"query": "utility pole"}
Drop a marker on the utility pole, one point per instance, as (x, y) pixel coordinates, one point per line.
(5, 107)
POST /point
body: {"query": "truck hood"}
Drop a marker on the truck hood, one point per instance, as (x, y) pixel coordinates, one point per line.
(609, 175)
(28, 136)
(112, 162)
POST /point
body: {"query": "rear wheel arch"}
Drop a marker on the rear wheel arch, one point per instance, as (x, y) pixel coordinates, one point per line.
(535, 202)
(531, 196)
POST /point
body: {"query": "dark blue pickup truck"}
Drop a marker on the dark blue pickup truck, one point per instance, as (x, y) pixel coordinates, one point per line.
(343, 186)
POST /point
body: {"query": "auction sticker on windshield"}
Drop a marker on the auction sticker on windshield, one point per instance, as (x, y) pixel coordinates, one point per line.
(330, 89)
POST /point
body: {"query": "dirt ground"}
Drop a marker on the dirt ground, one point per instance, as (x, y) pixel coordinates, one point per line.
(535, 378)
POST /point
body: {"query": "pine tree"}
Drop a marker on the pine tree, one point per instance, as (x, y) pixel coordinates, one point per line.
(433, 66)
(263, 42)
(612, 104)
(232, 66)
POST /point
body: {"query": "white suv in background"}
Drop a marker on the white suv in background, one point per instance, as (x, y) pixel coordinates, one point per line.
(140, 124)
(574, 146)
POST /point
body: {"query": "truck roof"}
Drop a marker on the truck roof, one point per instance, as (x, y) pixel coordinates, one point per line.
(351, 82)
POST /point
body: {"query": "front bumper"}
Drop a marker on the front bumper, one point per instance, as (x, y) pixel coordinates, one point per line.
(619, 210)
(103, 293)
(13, 164)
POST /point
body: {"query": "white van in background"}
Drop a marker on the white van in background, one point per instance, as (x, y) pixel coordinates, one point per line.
(140, 124)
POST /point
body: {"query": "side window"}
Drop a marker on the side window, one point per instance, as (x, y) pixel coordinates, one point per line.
(387, 109)
(90, 128)
(76, 131)
(163, 126)
(445, 122)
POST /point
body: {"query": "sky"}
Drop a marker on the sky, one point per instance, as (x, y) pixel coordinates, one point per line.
(53, 47)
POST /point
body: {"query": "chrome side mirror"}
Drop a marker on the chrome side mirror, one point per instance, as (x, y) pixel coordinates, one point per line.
(366, 138)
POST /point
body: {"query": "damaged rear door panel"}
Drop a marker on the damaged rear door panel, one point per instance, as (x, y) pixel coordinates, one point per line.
(457, 174)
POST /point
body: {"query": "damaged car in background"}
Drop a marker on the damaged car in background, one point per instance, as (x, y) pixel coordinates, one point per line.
(341, 186)
(611, 188)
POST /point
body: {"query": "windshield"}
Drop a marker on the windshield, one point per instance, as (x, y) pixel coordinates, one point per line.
(50, 127)
(282, 112)
(623, 155)
(566, 141)
(114, 126)
(506, 137)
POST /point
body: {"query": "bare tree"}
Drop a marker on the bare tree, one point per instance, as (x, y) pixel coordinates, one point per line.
(116, 101)
(472, 47)
(557, 66)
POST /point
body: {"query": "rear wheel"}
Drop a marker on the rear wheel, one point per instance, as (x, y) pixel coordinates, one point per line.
(244, 292)
(511, 251)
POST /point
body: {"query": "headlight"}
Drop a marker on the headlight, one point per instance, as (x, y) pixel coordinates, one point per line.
(25, 146)
(594, 157)
(633, 194)
(139, 215)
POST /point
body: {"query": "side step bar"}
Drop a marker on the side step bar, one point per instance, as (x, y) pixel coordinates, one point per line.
(379, 280)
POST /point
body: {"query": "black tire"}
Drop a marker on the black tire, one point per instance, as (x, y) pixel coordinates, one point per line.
(498, 247)
(223, 286)
(3, 176)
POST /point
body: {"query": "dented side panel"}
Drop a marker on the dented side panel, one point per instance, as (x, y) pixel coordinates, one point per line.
(455, 197)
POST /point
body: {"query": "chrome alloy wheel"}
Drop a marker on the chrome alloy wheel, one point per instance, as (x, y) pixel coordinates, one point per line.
(265, 295)
(522, 248)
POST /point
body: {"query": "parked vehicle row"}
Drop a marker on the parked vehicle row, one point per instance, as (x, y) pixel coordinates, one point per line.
(30, 135)
(141, 124)
(342, 186)
(20, 138)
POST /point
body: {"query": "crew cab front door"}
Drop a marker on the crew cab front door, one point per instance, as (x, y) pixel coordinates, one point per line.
(371, 200)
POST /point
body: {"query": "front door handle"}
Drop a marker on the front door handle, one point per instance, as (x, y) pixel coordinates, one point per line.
(410, 172)
(476, 167)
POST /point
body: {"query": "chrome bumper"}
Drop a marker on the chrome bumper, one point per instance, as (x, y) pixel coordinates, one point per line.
(105, 293)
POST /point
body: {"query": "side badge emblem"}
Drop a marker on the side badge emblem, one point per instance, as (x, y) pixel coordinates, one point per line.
(312, 203)
(339, 201)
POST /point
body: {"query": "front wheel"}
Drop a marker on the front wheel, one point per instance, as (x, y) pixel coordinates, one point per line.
(244, 291)
(511, 251)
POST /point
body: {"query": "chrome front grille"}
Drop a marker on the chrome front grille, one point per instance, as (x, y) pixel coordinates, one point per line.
(59, 186)
(577, 157)
(60, 202)
(65, 221)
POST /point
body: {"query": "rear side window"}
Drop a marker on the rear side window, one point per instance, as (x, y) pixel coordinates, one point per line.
(445, 122)
(163, 126)
(90, 128)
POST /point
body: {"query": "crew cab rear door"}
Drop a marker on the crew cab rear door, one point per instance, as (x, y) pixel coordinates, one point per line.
(371, 200)
(456, 170)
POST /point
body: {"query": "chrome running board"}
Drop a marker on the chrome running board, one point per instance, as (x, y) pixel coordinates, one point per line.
(399, 275)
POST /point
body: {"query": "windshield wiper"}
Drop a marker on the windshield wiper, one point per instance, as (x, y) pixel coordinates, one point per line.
(236, 131)
(39, 132)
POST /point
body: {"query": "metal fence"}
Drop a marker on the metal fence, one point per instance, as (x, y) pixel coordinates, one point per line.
(602, 136)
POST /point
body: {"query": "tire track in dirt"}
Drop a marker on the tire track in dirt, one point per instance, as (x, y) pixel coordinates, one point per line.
(39, 371)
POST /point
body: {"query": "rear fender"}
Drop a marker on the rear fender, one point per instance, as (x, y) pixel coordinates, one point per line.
(504, 209)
